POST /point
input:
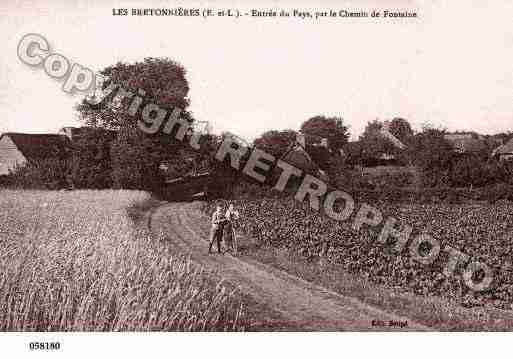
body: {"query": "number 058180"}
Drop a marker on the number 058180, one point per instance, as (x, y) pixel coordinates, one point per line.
(44, 346)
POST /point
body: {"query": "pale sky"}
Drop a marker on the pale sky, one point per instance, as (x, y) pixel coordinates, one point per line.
(452, 66)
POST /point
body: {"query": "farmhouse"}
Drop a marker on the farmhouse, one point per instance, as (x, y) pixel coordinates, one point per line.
(504, 152)
(370, 157)
(16, 149)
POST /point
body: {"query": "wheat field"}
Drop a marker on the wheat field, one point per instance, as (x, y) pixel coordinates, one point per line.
(74, 261)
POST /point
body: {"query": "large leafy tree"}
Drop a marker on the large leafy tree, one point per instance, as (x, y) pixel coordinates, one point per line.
(401, 128)
(136, 155)
(373, 143)
(331, 128)
(161, 80)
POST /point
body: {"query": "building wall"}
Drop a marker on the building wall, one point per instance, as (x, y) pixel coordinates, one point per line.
(9, 155)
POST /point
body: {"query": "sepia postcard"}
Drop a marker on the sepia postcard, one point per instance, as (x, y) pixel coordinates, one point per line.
(280, 167)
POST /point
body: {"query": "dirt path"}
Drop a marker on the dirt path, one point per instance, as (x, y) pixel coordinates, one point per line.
(302, 304)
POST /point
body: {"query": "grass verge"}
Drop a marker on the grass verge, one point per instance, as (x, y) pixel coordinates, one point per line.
(433, 312)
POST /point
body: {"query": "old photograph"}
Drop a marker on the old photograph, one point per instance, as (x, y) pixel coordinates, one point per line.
(279, 166)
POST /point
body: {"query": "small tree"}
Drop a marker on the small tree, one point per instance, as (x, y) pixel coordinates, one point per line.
(275, 142)
(331, 128)
(433, 155)
(374, 144)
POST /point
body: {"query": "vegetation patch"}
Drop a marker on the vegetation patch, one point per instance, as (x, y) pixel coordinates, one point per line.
(481, 231)
(74, 261)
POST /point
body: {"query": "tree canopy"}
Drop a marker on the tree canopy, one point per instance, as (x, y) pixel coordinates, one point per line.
(136, 155)
(160, 80)
(275, 142)
(374, 144)
(331, 128)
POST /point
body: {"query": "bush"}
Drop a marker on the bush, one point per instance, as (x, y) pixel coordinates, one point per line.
(503, 171)
(135, 162)
(388, 179)
(374, 179)
(4, 181)
(471, 171)
(499, 192)
(91, 160)
(50, 174)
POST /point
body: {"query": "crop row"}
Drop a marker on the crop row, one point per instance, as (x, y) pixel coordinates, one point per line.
(483, 232)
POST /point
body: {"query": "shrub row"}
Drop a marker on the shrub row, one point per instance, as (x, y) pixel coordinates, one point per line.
(491, 194)
(49, 174)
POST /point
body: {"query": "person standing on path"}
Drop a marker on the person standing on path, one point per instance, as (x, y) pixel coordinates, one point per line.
(216, 235)
(231, 216)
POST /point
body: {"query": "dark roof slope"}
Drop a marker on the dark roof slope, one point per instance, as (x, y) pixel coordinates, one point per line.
(505, 149)
(299, 158)
(85, 130)
(40, 146)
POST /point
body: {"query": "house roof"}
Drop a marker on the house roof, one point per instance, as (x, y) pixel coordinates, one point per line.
(40, 146)
(505, 149)
(385, 132)
(77, 130)
(85, 130)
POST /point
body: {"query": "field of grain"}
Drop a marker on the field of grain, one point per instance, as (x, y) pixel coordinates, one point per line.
(74, 261)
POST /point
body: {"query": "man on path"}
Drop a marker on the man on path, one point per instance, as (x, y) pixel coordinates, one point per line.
(216, 234)
(231, 241)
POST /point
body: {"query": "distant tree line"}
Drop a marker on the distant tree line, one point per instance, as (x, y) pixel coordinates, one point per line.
(120, 155)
